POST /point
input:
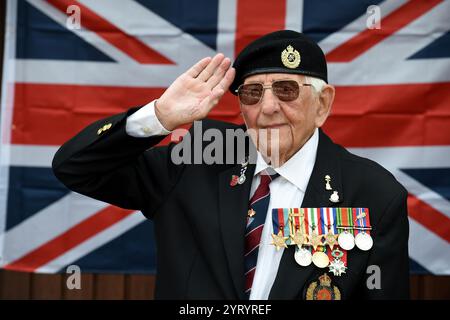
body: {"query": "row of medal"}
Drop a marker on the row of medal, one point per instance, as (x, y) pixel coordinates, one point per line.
(322, 236)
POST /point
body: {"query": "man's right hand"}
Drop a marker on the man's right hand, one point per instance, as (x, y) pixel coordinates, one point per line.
(193, 94)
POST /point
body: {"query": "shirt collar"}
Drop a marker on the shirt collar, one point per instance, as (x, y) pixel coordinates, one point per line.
(299, 167)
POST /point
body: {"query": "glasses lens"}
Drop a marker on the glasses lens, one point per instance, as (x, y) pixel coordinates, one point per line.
(250, 93)
(286, 90)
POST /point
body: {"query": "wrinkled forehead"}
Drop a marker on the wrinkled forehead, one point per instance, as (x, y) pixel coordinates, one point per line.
(271, 77)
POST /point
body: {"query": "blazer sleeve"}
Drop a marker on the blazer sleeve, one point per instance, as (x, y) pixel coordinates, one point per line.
(389, 254)
(105, 163)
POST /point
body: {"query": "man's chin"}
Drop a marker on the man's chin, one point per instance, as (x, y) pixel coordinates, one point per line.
(275, 157)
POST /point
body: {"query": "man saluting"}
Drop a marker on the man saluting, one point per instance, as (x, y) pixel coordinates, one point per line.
(300, 219)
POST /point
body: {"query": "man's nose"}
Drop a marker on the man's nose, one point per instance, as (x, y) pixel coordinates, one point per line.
(269, 102)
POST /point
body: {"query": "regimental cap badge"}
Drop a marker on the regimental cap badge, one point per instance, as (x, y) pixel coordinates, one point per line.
(290, 57)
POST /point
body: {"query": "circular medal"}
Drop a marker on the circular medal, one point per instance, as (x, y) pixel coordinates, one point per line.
(303, 257)
(320, 259)
(346, 240)
(241, 179)
(363, 241)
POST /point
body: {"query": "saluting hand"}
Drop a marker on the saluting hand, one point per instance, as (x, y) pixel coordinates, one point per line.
(193, 94)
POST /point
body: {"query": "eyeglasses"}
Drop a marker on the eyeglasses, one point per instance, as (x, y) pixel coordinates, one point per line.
(285, 90)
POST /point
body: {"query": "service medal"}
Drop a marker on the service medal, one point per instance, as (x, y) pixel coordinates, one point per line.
(331, 239)
(320, 259)
(278, 240)
(303, 257)
(337, 266)
(346, 240)
(299, 238)
(363, 241)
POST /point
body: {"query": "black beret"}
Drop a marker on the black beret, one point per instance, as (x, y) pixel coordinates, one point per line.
(283, 51)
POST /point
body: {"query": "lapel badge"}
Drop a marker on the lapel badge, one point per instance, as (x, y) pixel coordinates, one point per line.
(334, 197)
(235, 180)
(290, 57)
(327, 183)
(324, 290)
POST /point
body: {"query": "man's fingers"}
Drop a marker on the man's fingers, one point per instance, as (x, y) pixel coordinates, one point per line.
(211, 67)
(219, 73)
(197, 68)
(227, 80)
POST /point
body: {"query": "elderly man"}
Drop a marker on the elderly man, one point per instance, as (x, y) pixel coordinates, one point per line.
(305, 220)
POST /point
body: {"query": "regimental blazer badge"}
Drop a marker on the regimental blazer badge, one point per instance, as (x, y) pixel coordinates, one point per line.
(324, 290)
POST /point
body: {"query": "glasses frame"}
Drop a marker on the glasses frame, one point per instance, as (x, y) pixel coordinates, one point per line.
(270, 87)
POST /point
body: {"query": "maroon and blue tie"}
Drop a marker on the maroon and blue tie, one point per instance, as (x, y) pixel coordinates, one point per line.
(259, 203)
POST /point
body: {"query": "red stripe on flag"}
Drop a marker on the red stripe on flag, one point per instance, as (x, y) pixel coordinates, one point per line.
(362, 116)
(69, 239)
(390, 24)
(51, 114)
(130, 45)
(391, 115)
(256, 18)
(429, 217)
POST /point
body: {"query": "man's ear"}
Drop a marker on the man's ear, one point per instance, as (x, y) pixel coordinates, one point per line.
(326, 98)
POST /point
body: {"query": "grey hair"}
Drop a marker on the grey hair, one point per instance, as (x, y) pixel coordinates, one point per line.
(316, 83)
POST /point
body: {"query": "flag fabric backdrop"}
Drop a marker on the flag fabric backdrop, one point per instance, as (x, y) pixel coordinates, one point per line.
(392, 105)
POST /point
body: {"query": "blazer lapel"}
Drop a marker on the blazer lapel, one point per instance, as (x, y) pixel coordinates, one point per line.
(291, 278)
(233, 207)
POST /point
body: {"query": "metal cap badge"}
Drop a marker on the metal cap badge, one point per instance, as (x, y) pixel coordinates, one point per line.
(290, 57)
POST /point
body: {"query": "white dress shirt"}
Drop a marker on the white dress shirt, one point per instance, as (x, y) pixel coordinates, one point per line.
(287, 191)
(144, 123)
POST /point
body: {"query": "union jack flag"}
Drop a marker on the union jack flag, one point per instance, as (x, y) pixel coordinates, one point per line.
(392, 105)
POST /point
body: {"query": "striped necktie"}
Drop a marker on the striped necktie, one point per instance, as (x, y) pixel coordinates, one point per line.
(259, 204)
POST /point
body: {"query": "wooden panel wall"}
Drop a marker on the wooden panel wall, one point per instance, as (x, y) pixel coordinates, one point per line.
(19, 285)
(22, 285)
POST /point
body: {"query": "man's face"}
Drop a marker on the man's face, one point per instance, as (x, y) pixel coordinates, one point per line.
(295, 120)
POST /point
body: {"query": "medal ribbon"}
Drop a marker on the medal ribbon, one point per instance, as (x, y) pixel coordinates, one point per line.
(366, 219)
(346, 219)
(280, 217)
(357, 222)
(296, 221)
(316, 222)
(363, 222)
(333, 219)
